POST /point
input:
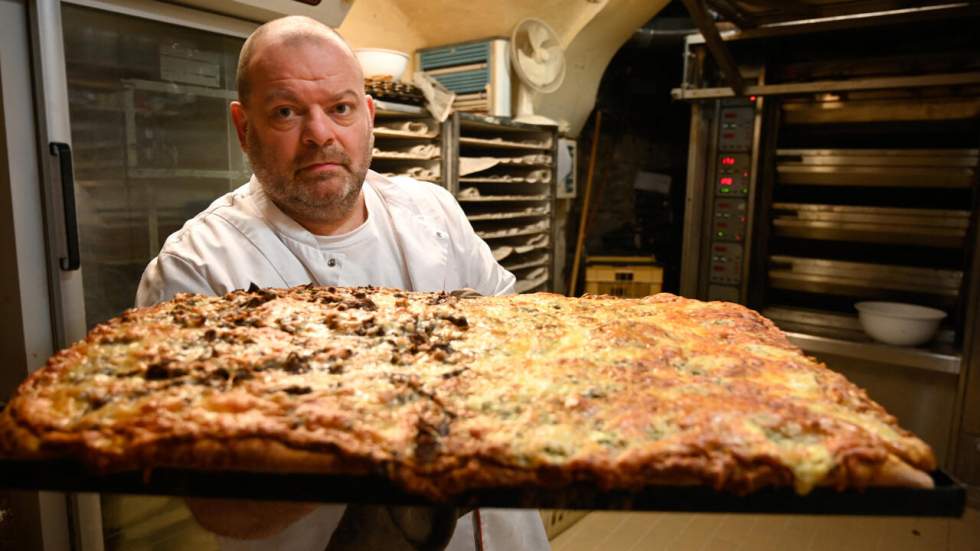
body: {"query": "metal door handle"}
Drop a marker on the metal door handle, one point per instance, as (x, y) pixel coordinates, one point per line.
(63, 152)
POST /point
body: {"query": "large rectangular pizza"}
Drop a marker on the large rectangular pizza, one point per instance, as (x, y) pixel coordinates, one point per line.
(446, 395)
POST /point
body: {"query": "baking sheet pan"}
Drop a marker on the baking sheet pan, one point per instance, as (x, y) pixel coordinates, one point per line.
(947, 499)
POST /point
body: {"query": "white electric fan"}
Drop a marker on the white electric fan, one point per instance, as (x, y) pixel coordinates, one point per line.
(539, 62)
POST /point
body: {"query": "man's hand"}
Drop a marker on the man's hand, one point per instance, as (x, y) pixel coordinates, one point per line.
(244, 519)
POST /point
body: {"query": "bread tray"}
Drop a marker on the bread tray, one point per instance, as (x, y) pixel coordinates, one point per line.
(946, 499)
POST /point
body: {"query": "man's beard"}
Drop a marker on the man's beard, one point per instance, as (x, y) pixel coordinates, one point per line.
(299, 195)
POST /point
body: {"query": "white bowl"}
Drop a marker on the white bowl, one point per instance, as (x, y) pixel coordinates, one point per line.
(898, 323)
(377, 62)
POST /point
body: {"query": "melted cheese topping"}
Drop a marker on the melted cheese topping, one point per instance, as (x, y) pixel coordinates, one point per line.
(661, 386)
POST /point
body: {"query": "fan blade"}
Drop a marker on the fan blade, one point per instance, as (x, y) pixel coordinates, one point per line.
(532, 69)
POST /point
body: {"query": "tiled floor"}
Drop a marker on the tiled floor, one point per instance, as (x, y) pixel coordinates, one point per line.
(724, 532)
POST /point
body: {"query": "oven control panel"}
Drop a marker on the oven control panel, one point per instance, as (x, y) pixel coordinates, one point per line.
(733, 175)
(730, 219)
(735, 126)
(730, 186)
(726, 263)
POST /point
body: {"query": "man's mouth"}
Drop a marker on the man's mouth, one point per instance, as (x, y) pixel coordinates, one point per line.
(324, 166)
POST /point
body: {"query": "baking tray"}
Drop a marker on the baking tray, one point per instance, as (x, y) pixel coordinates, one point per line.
(947, 499)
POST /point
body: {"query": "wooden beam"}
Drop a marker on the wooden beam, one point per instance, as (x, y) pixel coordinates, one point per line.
(717, 46)
(586, 202)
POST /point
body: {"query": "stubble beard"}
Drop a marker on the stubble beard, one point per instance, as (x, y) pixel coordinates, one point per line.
(299, 195)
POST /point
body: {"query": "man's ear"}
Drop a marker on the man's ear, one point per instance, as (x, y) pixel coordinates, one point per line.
(240, 119)
(370, 107)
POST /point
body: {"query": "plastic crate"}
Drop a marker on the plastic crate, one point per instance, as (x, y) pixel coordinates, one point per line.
(623, 276)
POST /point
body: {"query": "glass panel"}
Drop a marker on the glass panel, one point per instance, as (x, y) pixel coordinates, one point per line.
(153, 145)
(153, 141)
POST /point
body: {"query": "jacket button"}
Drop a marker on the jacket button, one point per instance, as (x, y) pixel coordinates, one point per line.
(332, 262)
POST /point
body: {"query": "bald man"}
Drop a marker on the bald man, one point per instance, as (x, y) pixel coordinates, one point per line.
(314, 212)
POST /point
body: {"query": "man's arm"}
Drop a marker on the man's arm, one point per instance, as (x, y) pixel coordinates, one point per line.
(165, 276)
(169, 274)
(246, 520)
(480, 270)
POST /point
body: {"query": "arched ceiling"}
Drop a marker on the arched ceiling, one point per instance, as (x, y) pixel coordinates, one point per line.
(590, 30)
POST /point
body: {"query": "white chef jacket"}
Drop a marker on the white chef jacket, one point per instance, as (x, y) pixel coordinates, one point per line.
(243, 238)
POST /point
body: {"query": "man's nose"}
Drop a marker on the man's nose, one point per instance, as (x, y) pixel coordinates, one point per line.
(318, 128)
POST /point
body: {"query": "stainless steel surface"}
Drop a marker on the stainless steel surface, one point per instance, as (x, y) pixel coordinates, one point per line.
(862, 277)
(877, 83)
(924, 227)
(52, 111)
(965, 430)
(833, 108)
(879, 353)
(869, 233)
(886, 215)
(748, 242)
(875, 176)
(818, 323)
(965, 158)
(814, 317)
(847, 286)
(36, 520)
(838, 325)
(166, 12)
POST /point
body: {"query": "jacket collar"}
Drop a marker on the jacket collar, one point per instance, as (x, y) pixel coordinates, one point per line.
(423, 239)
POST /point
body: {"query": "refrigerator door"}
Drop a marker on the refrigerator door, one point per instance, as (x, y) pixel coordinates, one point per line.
(37, 520)
(114, 130)
(153, 140)
(147, 95)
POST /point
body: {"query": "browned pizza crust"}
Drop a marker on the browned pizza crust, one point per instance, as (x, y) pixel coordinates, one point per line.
(444, 395)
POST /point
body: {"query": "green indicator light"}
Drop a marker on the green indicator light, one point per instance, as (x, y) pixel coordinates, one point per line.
(726, 190)
(721, 234)
(745, 190)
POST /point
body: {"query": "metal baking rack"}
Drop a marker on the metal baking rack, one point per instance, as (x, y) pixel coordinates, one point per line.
(399, 135)
(511, 201)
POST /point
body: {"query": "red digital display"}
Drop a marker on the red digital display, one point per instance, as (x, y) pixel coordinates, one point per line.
(728, 161)
(726, 181)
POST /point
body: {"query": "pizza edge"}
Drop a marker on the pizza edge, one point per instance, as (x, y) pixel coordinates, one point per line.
(454, 475)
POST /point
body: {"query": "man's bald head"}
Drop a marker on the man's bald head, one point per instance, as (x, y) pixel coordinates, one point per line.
(283, 32)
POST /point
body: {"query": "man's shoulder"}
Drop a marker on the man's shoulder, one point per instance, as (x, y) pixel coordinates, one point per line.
(419, 195)
(218, 219)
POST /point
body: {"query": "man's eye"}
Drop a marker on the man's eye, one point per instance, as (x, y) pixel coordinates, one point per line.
(343, 109)
(285, 112)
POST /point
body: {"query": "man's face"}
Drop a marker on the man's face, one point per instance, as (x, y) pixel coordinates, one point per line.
(307, 128)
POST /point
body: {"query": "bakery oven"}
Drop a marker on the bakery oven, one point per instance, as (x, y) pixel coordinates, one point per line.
(839, 179)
